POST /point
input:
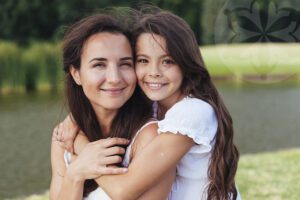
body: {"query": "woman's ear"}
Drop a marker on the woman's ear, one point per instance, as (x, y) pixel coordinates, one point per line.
(75, 74)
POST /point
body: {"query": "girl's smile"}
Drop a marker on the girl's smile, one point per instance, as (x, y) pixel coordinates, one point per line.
(158, 75)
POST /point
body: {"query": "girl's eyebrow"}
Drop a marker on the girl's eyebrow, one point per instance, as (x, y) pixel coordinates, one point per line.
(164, 56)
(98, 59)
(144, 55)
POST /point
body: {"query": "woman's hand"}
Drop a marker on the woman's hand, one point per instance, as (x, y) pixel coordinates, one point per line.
(97, 158)
(65, 133)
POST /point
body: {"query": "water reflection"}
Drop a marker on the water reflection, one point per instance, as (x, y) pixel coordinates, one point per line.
(266, 117)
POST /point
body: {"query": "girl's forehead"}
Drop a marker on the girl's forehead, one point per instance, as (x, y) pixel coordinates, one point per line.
(151, 41)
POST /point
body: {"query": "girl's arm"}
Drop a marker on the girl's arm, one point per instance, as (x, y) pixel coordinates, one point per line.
(148, 168)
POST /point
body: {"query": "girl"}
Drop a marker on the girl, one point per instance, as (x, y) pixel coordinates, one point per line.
(195, 128)
(103, 99)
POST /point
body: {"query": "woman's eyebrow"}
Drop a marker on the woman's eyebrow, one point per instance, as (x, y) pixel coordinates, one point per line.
(98, 59)
(126, 58)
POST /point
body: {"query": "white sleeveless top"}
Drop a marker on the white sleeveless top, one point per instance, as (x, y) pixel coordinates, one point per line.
(99, 193)
(196, 119)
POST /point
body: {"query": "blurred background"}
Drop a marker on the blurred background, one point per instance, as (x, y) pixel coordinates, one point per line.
(251, 48)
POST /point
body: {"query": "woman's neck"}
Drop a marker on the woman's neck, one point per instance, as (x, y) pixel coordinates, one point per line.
(105, 118)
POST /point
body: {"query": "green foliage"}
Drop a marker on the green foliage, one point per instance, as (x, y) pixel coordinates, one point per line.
(32, 63)
(30, 20)
(10, 64)
(30, 67)
(42, 64)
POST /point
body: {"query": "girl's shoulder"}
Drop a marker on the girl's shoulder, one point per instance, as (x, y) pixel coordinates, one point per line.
(191, 107)
(192, 117)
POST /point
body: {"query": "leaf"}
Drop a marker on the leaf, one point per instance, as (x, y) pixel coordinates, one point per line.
(280, 24)
(248, 24)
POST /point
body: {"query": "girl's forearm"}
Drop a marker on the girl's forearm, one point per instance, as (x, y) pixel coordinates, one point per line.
(148, 168)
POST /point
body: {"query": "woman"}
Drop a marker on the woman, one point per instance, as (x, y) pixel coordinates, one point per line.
(196, 132)
(105, 102)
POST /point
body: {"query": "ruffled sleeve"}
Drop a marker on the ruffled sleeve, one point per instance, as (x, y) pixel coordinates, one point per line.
(194, 118)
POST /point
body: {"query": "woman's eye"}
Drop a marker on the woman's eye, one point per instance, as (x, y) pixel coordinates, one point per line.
(142, 60)
(99, 65)
(126, 64)
(168, 62)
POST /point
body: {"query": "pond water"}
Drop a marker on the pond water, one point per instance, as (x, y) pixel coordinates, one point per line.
(266, 118)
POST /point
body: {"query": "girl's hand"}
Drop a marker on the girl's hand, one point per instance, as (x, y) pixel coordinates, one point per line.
(97, 158)
(65, 133)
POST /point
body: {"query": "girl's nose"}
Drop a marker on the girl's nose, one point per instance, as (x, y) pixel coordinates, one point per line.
(155, 71)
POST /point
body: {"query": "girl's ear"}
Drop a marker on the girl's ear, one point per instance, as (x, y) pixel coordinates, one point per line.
(75, 74)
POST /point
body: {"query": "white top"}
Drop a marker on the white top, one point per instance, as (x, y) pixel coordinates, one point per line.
(99, 193)
(196, 119)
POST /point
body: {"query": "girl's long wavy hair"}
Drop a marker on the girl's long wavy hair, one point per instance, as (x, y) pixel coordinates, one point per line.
(182, 46)
(131, 116)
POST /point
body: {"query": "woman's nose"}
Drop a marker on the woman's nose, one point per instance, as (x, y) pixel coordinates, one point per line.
(113, 74)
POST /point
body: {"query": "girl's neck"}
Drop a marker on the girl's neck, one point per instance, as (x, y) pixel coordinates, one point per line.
(166, 104)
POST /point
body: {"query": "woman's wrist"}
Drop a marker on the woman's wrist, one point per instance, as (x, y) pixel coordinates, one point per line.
(73, 175)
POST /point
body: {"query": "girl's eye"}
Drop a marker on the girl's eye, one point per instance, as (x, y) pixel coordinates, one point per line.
(142, 60)
(168, 62)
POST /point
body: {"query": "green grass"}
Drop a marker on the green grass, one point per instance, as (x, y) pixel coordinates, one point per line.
(265, 176)
(252, 59)
(270, 176)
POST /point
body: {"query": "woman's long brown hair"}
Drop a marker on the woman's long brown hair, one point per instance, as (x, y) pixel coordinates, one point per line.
(130, 117)
(183, 48)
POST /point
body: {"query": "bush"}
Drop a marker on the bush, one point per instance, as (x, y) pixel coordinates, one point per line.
(10, 64)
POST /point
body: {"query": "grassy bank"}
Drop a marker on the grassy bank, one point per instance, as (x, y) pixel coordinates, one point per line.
(270, 176)
(265, 176)
(253, 61)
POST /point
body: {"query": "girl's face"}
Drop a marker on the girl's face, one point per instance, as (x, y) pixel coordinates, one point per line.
(158, 75)
(106, 71)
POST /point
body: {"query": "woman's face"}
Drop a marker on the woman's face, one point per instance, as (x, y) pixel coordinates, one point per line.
(158, 75)
(106, 71)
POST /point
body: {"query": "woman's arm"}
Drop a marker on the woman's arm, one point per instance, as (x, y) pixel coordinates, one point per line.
(93, 161)
(155, 161)
(62, 185)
